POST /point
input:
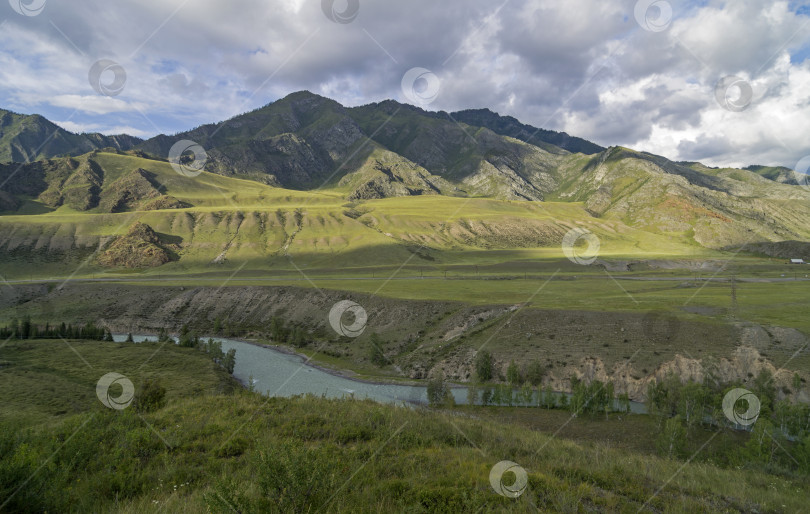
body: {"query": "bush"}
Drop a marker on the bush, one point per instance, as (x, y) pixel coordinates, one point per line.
(150, 397)
(289, 478)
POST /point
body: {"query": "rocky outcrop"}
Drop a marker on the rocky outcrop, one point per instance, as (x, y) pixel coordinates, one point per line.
(140, 247)
(164, 202)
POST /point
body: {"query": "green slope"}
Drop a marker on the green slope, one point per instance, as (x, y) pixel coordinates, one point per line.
(215, 449)
(638, 208)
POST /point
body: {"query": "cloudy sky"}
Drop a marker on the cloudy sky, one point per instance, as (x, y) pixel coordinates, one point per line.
(653, 75)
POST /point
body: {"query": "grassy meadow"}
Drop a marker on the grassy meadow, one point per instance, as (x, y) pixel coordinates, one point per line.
(215, 448)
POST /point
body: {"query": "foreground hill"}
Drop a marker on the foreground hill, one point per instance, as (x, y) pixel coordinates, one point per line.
(211, 448)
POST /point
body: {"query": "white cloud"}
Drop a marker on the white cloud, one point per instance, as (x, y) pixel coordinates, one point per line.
(581, 66)
(94, 104)
(92, 127)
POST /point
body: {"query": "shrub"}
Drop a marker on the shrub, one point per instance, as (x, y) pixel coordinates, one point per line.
(150, 397)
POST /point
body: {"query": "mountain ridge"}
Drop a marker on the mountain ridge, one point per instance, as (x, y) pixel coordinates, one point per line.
(483, 117)
(309, 143)
(30, 137)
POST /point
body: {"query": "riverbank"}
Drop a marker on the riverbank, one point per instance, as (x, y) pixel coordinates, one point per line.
(280, 375)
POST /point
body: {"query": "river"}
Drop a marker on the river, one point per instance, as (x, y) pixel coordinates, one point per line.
(281, 374)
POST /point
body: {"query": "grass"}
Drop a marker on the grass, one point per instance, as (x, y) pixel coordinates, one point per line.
(256, 223)
(46, 380)
(208, 451)
(566, 319)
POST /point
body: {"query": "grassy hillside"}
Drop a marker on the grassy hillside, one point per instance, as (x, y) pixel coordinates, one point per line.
(215, 219)
(209, 451)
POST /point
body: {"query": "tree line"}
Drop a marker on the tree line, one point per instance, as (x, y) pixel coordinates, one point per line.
(779, 439)
(683, 412)
(25, 329)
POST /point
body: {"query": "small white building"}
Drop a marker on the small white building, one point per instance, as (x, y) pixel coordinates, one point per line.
(797, 261)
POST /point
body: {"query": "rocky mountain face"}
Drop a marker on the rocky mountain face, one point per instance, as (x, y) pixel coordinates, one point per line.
(305, 141)
(25, 138)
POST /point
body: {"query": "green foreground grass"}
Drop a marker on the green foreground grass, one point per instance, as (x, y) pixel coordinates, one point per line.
(218, 448)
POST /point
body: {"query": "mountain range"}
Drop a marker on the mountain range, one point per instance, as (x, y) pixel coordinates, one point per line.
(309, 143)
(26, 138)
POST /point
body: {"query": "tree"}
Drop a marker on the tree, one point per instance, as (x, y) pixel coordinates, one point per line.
(692, 400)
(763, 443)
(497, 395)
(187, 340)
(535, 372)
(765, 390)
(607, 398)
(486, 396)
(25, 328)
(129, 338)
(624, 402)
(797, 383)
(507, 394)
(526, 394)
(472, 393)
(549, 398)
(672, 439)
(579, 396)
(438, 392)
(803, 454)
(297, 337)
(230, 360)
(662, 398)
(513, 374)
(484, 366)
(163, 335)
(792, 419)
(277, 330)
(375, 351)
